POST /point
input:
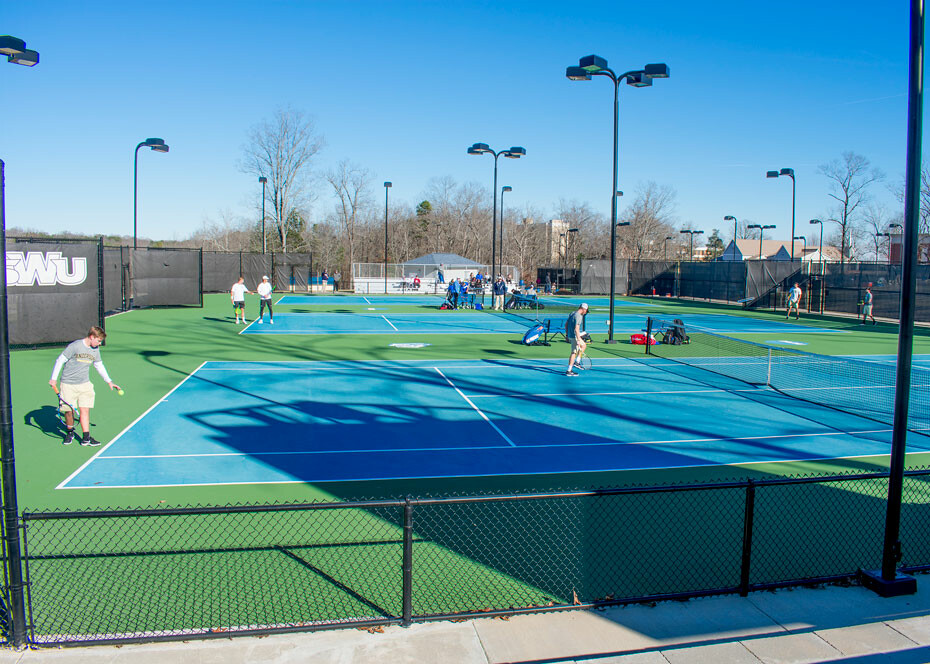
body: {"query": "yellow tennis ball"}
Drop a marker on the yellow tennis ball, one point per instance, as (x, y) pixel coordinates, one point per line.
(120, 392)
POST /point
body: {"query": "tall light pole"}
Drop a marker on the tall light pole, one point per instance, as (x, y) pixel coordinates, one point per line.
(877, 243)
(157, 145)
(790, 173)
(691, 234)
(803, 247)
(264, 181)
(593, 65)
(570, 248)
(512, 153)
(762, 228)
(387, 187)
(730, 217)
(561, 252)
(17, 53)
(504, 190)
(667, 238)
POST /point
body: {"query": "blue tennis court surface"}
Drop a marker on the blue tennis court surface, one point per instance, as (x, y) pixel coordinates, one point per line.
(484, 322)
(273, 422)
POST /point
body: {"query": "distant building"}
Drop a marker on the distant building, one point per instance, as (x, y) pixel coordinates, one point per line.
(897, 248)
(776, 250)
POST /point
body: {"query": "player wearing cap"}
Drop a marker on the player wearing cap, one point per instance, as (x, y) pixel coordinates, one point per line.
(794, 302)
(573, 333)
(264, 300)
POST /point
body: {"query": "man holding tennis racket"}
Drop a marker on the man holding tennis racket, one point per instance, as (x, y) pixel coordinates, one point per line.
(77, 392)
(573, 333)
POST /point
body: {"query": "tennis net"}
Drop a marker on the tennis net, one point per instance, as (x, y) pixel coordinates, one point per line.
(861, 387)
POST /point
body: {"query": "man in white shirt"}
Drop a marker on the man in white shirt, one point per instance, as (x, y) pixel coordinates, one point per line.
(264, 300)
(794, 302)
(237, 295)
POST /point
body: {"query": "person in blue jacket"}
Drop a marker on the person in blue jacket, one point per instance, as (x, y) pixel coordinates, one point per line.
(500, 290)
(453, 293)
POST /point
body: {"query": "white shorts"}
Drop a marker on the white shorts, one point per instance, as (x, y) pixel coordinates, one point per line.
(79, 396)
(866, 309)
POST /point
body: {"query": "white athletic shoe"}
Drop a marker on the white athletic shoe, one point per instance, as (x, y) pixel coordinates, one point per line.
(271, 322)
(245, 322)
(261, 320)
(237, 321)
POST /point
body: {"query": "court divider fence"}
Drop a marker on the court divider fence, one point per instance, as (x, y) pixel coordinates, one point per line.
(117, 576)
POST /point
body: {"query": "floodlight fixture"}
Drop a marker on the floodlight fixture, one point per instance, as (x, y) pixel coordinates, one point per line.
(577, 74)
(10, 45)
(771, 174)
(658, 70)
(592, 63)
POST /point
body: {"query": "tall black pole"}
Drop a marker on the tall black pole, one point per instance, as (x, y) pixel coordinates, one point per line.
(135, 195)
(792, 218)
(500, 248)
(387, 186)
(494, 220)
(613, 210)
(7, 456)
(891, 552)
(761, 233)
(264, 243)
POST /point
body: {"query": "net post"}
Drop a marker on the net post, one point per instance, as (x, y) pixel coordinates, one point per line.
(748, 514)
(407, 565)
(648, 334)
(768, 372)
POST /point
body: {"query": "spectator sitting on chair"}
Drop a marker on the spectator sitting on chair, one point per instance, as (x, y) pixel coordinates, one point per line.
(531, 290)
(416, 282)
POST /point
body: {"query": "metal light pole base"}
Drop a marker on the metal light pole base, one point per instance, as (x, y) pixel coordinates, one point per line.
(902, 584)
(611, 341)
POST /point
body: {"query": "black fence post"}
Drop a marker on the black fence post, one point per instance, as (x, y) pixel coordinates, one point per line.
(7, 455)
(101, 309)
(408, 564)
(748, 515)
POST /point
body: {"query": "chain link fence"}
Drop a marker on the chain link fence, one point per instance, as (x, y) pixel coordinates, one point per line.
(126, 575)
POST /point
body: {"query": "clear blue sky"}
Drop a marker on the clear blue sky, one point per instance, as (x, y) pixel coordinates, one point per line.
(403, 88)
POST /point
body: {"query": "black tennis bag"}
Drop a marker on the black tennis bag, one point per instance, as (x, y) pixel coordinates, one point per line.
(675, 335)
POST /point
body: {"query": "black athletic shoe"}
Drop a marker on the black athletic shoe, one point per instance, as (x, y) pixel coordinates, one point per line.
(570, 373)
(69, 437)
(90, 441)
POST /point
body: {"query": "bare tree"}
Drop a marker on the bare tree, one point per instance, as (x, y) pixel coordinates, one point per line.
(650, 217)
(875, 222)
(350, 187)
(224, 234)
(282, 149)
(850, 178)
(924, 225)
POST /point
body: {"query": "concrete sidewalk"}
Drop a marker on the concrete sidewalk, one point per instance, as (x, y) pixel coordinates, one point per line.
(832, 624)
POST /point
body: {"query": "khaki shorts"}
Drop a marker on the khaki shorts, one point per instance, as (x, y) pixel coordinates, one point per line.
(79, 396)
(576, 344)
(866, 309)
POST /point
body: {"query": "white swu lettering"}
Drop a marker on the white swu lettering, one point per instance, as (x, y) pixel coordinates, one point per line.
(35, 268)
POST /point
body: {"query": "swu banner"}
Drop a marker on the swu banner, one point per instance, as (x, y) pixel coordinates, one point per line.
(54, 290)
(44, 268)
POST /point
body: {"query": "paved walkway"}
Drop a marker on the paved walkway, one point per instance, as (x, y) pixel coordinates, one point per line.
(849, 625)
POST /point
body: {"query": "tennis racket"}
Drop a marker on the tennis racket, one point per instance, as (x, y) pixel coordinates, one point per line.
(582, 360)
(61, 413)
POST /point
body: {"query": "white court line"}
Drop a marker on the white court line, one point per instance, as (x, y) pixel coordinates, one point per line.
(105, 447)
(367, 301)
(118, 313)
(478, 410)
(520, 395)
(497, 447)
(245, 327)
(281, 298)
(389, 323)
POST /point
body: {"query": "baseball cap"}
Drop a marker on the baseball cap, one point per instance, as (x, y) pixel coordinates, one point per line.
(584, 305)
(265, 278)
